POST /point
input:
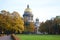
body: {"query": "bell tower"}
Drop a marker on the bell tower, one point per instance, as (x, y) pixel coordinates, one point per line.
(37, 24)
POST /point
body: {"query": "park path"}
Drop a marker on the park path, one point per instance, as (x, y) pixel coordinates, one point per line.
(6, 37)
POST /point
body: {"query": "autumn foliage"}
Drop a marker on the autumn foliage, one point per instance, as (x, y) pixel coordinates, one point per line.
(11, 22)
(29, 27)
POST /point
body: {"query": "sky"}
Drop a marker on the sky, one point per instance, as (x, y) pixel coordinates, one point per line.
(42, 9)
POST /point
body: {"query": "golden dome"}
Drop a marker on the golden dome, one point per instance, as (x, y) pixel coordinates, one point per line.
(28, 9)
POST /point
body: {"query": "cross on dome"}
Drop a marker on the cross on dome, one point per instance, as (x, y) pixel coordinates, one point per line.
(27, 6)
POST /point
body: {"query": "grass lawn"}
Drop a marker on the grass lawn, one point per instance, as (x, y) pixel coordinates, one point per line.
(38, 37)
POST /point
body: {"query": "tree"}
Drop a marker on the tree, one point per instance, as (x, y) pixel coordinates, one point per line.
(43, 27)
(17, 22)
(29, 27)
(11, 23)
(51, 26)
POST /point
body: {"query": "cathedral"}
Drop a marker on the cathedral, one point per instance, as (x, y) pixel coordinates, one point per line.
(28, 17)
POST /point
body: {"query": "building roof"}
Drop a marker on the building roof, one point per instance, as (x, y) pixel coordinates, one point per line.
(27, 12)
(37, 19)
(28, 9)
